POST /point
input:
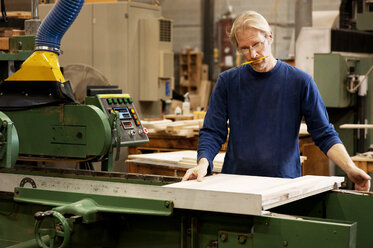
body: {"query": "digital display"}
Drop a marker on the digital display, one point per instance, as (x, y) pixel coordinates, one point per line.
(123, 113)
(127, 124)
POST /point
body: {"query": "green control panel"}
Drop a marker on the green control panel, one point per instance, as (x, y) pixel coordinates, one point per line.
(131, 130)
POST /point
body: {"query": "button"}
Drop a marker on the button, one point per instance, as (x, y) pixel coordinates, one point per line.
(130, 100)
(120, 100)
(109, 101)
(135, 117)
(137, 123)
(145, 131)
(125, 100)
(115, 100)
(132, 110)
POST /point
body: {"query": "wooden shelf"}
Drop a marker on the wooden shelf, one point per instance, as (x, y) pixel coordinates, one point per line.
(190, 71)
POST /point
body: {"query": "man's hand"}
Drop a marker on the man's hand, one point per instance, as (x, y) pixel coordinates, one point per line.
(197, 172)
(338, 154)
(360, 179)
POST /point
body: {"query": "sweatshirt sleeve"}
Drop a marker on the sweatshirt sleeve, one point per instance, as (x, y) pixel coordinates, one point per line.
(215, 129)
(317, 119)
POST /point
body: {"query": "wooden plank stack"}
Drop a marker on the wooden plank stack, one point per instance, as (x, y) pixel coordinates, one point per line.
(188, 128)
(7, 32)
(186, 159)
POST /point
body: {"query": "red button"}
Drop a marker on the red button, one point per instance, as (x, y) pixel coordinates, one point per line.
(145, 131)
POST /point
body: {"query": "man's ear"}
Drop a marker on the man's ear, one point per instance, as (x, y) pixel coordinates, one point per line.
(270, 37)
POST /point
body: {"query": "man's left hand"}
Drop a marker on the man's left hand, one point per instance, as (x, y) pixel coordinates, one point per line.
(360, 179)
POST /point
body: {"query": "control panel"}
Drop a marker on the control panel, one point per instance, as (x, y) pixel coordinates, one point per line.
(131, 130)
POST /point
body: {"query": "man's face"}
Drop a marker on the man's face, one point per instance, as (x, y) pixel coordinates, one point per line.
(254, 44)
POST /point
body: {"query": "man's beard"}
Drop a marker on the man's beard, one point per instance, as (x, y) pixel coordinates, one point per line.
(260, 65)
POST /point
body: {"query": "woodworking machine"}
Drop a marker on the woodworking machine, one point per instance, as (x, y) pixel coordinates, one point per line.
(41, 120)
(60, 207)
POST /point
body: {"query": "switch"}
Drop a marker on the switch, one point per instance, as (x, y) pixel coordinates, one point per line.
(130, 100)
(132, 110)
(135, 117)
(131, 132)
(137, 123)
(125, 100)
(120, 100)
(109, 101)
(115, 100)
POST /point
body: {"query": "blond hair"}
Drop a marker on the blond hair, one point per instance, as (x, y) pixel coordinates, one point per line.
(248, 19)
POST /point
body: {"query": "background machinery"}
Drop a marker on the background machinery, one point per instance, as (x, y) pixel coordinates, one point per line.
(130, 43)
(340, 58)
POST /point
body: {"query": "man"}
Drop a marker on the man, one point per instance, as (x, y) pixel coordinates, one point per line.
(264, 101)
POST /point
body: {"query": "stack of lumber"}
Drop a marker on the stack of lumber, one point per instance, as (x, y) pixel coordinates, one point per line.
(191, 160)
(10, 32)
(364, 161)
(19, 14)
(7, 32)
(184, 159)
(366, 155)
(187, 128)
(184, 128)
(156, 127)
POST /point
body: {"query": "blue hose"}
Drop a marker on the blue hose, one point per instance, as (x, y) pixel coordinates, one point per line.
(56, 24)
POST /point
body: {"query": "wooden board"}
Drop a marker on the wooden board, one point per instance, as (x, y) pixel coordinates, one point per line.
(364, 161)
(165, 156)
(4, 43)
(356, 126)
(168, 163)
(185, 159)
(269, 191)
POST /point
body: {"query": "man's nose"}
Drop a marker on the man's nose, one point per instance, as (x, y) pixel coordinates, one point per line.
(252, 53)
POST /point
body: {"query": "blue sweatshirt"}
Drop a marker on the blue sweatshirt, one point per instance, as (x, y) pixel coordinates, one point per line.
(264, 111)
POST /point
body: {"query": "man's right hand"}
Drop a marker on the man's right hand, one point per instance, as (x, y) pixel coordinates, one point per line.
(197, 172)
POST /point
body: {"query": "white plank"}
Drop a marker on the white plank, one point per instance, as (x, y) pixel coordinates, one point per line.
(272, 191)
(356, 126)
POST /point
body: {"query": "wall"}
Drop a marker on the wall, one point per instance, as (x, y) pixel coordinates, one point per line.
(279, 13)
(187, 18)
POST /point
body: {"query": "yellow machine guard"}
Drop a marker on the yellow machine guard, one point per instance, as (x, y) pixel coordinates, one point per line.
(40, 66)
